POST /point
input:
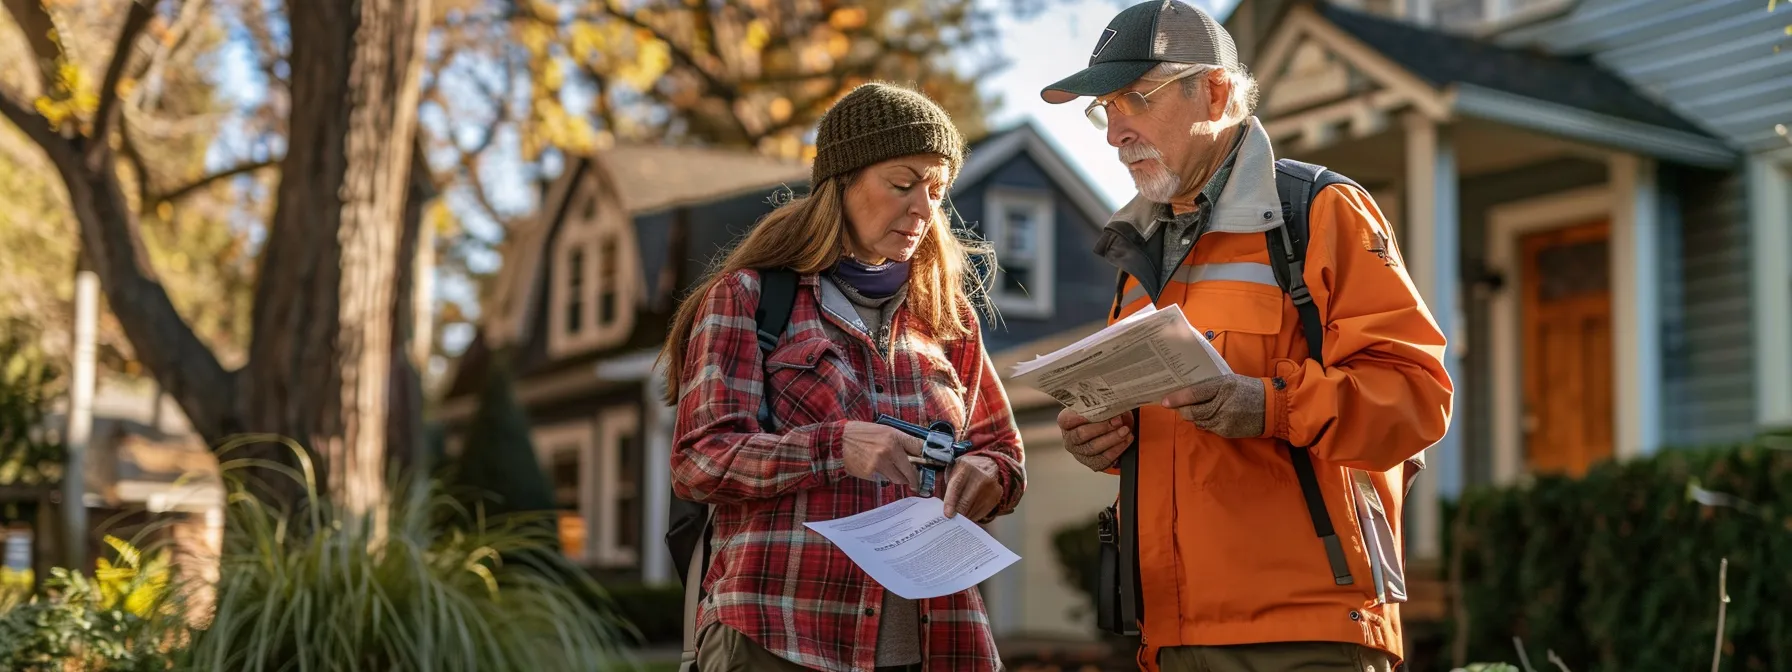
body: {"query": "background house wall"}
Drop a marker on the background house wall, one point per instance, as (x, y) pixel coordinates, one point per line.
(1084, 283)
(1709, 368)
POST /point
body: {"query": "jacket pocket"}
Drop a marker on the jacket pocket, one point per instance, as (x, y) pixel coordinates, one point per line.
(1242, 321)
(809, 381)
(1387, 571)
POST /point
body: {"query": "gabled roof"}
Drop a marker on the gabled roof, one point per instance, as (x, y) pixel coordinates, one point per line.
(1443, 59)
(1000, 148)
(658, 177)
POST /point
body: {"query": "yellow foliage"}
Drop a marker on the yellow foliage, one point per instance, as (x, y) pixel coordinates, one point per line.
(652, 59)
(838, 44)
(781, 109)
(552, 74)
(585, 41)
(757, 35)
(534, 36)
(847, 18)
(69, 97)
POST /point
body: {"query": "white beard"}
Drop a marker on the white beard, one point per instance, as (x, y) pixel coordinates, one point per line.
(1154, 179)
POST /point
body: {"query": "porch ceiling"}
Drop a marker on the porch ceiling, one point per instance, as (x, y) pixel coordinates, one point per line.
(1481, 147)
(1333, 78)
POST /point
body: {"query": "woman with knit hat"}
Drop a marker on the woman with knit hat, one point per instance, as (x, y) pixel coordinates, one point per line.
(882, 323)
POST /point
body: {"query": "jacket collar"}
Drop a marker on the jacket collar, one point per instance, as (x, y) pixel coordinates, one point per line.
(1247, 204)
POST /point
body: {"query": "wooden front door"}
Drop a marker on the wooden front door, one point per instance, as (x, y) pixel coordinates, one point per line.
(1567, 322)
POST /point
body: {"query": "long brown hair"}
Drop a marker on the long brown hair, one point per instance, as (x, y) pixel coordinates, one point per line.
(807, 235)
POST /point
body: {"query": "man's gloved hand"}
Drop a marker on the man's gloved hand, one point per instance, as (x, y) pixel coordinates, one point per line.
(1097, 445)
(1230, 405)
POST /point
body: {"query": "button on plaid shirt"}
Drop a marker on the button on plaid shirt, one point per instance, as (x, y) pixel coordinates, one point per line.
(784, 586)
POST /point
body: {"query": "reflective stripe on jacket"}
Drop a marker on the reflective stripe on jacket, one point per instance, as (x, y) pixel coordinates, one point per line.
(1227, 551)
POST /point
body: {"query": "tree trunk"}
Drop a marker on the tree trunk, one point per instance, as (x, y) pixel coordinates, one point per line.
(410, 322)
(322, 358)
(321, 361)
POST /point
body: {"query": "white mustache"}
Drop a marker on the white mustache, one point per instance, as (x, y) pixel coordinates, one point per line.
(1138, 152)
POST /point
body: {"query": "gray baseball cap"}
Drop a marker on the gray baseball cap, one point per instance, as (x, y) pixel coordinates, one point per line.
(1140, 37)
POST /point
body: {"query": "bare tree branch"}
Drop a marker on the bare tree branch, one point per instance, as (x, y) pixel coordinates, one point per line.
(134, 23)
(203, 182)
(151, 72)
(40, 31)
(128, 142)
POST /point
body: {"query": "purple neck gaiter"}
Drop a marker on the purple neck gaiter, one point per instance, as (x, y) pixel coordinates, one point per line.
(875, 282)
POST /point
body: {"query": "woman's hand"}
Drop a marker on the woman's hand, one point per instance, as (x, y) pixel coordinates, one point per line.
(873, 451)
(973, 487)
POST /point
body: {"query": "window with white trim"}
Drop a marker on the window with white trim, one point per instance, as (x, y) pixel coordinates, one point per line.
(1021, 226)
(565, 452)
(619, 505)
(590, 302)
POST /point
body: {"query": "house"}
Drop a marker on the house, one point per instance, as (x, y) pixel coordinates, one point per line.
(587, 290)
(1592, 196)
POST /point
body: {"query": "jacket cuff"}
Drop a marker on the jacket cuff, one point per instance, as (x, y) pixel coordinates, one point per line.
(1275, 408)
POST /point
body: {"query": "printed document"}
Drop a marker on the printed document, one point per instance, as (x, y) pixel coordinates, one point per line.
(1136, 361)
(914, 550)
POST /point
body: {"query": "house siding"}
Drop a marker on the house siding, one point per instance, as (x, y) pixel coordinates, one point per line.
(1708, 337)
(1711, 61)
(1478, 194)
(1084, 287)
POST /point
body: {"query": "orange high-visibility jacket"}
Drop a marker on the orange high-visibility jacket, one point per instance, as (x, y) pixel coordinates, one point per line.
(1226, 547)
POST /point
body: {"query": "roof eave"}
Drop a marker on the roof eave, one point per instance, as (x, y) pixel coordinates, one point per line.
(1571, 122)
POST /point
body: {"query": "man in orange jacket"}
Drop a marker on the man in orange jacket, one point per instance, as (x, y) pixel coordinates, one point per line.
(1264, 505)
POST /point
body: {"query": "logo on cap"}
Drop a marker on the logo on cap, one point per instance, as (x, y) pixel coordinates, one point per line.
(1107, 37)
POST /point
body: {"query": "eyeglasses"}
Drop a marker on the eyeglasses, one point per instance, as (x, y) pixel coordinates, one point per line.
(1129, 103)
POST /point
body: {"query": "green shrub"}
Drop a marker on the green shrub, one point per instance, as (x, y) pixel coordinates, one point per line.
(1618, 570)
(122, 620)
(656, 612)
(444, 588)
(28, 456)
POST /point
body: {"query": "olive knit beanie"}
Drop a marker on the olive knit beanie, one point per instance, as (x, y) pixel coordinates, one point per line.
(876, 122)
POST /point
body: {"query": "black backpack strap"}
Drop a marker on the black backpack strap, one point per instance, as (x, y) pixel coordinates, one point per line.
(1296, 185)
(777, 292)
(777, 296)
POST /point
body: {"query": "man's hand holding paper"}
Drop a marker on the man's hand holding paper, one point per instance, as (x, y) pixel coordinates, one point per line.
(1229, 405)
(1095, 444)
(1130, 363)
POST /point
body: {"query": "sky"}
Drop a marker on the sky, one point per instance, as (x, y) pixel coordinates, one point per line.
(1047, 48)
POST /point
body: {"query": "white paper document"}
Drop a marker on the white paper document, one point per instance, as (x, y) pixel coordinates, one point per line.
(1133, 362)
(914, 550)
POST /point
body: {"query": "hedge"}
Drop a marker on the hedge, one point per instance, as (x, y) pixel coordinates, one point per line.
(1618, 569)
(656, 612)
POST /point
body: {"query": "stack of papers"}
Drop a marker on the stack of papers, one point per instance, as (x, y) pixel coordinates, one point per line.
(1131, 363)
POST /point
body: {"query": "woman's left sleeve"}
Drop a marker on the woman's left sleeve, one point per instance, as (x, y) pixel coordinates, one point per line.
(992, 431)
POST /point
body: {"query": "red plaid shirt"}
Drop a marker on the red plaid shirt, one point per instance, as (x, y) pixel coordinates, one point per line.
(778, 582)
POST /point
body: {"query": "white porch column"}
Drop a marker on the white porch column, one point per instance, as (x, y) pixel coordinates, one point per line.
(1636, 306)
(656, 562)
(1433, 257)
(1770, 215)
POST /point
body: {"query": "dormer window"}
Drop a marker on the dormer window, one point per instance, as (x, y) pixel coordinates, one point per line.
(590, 290)
(1020, 225)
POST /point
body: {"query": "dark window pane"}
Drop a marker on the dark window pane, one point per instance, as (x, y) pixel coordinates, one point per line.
(628, 523)
(1016, 280)
(1574, 270)
(575, 291)
(608, 272)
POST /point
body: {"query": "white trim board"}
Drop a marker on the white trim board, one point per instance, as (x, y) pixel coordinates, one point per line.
(1770, 214)
(1630, 401)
